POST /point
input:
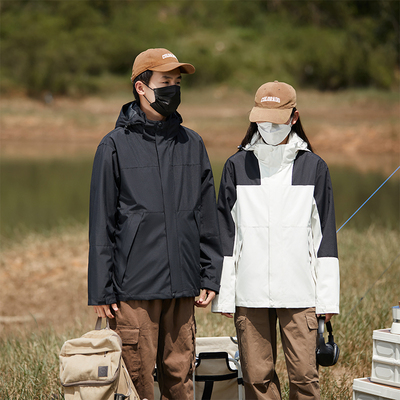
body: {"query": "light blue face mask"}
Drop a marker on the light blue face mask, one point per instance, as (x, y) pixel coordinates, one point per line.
(274, 134)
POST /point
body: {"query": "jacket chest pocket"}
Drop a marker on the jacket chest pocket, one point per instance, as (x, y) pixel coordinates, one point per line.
(124, 242)
(128, 234)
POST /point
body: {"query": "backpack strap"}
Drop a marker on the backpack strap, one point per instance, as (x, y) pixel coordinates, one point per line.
(99, 321)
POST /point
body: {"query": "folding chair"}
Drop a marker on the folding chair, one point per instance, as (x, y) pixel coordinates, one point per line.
(218, 374)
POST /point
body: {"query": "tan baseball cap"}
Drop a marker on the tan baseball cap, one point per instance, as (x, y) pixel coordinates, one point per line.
(274, 102)
(160, 60)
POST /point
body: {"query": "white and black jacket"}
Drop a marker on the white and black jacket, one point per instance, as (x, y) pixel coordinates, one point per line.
(153, 225)
(278, 231)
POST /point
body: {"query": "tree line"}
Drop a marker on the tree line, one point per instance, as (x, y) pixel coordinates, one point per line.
(74, 47)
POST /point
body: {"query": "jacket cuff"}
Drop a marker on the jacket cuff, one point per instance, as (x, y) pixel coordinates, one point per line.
(210, 285)
(109, 300)
(218, 307)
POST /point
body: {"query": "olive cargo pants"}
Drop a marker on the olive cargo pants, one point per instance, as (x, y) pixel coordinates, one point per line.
(162, 332)
(256, 331)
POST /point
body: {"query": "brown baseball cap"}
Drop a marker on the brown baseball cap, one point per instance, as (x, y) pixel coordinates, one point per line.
(160, 60)
(274, 102)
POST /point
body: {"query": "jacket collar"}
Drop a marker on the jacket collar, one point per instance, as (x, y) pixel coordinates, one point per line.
(132, 117)
(276, 156)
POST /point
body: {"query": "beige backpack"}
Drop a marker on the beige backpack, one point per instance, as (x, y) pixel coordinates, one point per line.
(92, 368)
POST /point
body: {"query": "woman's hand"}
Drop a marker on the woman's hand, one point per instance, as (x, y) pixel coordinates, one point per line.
(327, 316)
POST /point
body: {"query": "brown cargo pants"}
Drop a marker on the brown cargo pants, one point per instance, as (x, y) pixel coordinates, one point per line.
(256, 331)
(162, 332)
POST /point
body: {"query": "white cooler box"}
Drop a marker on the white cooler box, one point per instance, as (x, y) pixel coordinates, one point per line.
(386, 358)
(364, 389)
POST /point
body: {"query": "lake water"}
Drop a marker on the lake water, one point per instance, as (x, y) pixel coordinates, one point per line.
(41, 195)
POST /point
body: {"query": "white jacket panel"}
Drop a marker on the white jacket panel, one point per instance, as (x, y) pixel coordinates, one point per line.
(278, 252)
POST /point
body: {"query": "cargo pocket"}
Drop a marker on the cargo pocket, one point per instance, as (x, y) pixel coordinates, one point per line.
(240, 319)
(312, 324)
(130, 350)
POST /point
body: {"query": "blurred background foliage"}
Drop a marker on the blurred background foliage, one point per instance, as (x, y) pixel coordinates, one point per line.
(83, 47)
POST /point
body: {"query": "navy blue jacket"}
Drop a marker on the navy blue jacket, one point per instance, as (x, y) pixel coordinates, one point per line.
(153, 227)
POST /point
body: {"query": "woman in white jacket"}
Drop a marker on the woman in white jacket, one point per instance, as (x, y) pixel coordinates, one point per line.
(278, 231)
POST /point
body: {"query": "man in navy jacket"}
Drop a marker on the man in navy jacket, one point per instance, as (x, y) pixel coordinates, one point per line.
(153, 230)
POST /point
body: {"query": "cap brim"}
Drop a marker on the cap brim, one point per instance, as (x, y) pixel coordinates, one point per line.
(259, 114)
(184, 67)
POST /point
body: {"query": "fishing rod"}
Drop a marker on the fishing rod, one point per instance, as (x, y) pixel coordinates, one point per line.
(365, 202)
(393, 261)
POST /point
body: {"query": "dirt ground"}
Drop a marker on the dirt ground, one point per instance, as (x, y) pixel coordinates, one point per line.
(44, 278)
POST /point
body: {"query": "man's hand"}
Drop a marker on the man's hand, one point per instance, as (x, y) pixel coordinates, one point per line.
(228, 315)
(104, 310)
(206, 297)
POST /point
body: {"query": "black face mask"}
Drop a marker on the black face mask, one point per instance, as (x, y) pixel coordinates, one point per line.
(167, 99)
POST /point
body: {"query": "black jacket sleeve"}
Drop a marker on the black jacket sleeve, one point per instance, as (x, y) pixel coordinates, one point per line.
(102, 224)
(323, 195)
(210, 245)
(226, 201)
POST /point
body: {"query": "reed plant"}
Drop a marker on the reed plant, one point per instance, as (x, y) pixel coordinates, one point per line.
(370, 274)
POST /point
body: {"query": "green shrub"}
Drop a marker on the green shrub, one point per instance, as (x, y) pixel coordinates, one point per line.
(51, 46)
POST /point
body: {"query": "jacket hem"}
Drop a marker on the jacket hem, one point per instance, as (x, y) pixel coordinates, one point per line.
(158, 296)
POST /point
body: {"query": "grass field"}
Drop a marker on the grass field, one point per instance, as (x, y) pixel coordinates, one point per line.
(29, 347)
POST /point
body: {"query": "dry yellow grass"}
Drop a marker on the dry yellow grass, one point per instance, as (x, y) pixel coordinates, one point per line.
(45, 276)
(43, 280)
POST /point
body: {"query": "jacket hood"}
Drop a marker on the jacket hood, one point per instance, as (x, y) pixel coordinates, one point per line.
(131, 115)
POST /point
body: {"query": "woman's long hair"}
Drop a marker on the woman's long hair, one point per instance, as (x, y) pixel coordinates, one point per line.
(297, 127)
